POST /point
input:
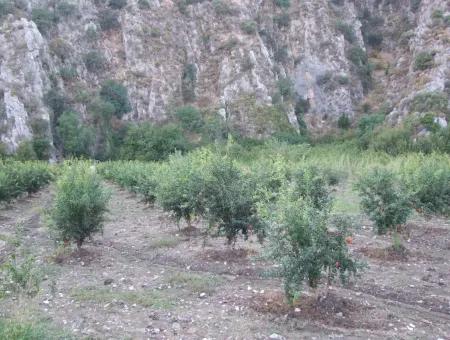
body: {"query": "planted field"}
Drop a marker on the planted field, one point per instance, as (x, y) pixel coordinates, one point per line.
(195, 268)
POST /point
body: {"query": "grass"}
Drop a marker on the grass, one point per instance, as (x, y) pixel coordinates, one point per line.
(152, 299)
(346, 201)
(194, 282)
(12, 329)
(165, 242)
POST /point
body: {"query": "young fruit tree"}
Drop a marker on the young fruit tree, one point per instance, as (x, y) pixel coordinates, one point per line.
(180, 184)
(383, 200)
(229, 200)
(305, 244)
(80, 203)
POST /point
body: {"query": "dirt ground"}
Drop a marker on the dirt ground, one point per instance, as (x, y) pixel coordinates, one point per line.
(145, 279)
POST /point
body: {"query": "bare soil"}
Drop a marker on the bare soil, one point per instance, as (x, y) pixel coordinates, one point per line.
(146, 279)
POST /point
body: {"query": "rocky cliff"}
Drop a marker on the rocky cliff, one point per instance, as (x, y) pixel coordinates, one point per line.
(316, 60)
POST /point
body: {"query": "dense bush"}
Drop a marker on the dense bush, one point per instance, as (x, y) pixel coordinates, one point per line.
(249, 27)
(383, 199)
(137, 177)
(428, 183)
(147, 142)
(430, 102)
(189, 82)
(109, 20)
(190, 118)
(366, 126)
(359, 59)
(25, 151)
(17, 178)
(56, 101)
(143, 4)
(80, 203)
(76, 139)
(41, 147)
(282, 20)
(117, 4)
(95, 61)
(116, 94)
(347, 31)
(285, 88)
(343, 122)
(304, 246)
(180, 186)
(229, 200)
(65, 9)
(424, 60)
(282, 3)
(393, 141)
(68, 73)
(44, 19)
(222, 8)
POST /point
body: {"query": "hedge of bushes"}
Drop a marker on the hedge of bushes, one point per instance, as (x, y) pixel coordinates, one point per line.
(17, 178)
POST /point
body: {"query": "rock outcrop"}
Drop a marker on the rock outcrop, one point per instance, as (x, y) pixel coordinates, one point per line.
(225, 56)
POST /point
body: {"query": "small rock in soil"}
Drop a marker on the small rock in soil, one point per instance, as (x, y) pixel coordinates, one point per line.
(276, 336)
(108, 282)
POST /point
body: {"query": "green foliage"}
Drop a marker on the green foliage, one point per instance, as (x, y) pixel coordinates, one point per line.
(147, 142)
(135, 176)
(56, 100)
(393, 141)
(304, 246)
(91, 34)
(415, 5)
(430, 102)
(76, 139)
(20, 277)
(117, 4)
(101, 110)
(424, 60)
(222, 8)
(359, 59)
(6, 7)
(80, 203)
(427, 181)
(65, 9)
(44, 19)
(285, 88)
(383, 199)
(25, 151)
(116, 94)
(189, 82)
(344, 122)
(374, 39)
(347, 31)
(249, 27)
(228, 199)
(366, 126)
(94, 61)
(68, 73)
(41, 147)
(19, 330)
(282, 3)
(22, 177)
(109, 20)
(143, 4)
(190, 118)
(282, 20)
(180, 185)
(309, 184)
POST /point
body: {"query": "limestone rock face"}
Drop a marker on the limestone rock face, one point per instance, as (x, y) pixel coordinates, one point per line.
(222, 55)
(24, 70)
